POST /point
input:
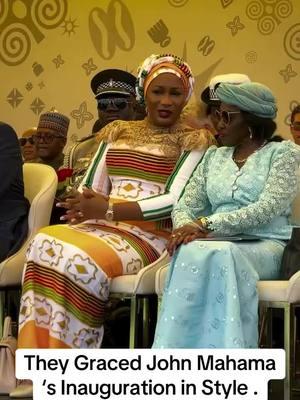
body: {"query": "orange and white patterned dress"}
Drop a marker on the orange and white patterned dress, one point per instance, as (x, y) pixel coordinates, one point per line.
(69, 268)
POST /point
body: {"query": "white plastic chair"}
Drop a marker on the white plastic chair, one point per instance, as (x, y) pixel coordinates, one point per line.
(138, 289)
(284, 295)
(40, 183)
(160, 279)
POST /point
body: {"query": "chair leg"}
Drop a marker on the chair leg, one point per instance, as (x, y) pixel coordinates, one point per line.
(263, 318)
(269, 337)
(2, 312)
(265, 327)
(146, 317)
(296, 312)
(133, 322)
(293, 357)
(288, 346)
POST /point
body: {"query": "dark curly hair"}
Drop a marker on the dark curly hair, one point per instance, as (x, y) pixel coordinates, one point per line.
(262, 128)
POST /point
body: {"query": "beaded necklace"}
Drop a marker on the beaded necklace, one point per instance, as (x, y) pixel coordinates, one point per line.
(245, 159)
(177, 127)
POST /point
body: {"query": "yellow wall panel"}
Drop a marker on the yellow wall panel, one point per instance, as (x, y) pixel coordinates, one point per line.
(50, 49)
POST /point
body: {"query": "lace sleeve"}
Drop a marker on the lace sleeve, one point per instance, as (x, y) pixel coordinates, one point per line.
(279, 191)
(194, 201)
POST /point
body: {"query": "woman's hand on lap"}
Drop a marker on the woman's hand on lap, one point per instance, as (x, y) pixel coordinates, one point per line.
(183, 235)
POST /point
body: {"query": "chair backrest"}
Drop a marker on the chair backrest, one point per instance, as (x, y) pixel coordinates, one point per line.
(84, 149)
(160, 280)
(295, 220)
(293, 290)
(40, 182)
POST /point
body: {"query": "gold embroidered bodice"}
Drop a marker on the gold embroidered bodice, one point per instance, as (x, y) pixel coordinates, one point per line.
(169, 141)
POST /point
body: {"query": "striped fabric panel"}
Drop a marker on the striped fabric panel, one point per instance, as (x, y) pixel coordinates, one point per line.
(179, 164)
(59, 288)
(159, 212)
(88, 181)
(129, 163)
(160, 206)
(147, 253)
(164, 224)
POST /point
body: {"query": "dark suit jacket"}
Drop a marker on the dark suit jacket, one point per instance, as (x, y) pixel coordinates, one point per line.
(13, 205)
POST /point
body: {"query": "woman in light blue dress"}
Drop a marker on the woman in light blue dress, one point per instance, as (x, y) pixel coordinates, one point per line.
(245, 187)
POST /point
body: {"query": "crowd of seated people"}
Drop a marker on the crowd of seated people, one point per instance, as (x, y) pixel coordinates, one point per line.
(168, 181)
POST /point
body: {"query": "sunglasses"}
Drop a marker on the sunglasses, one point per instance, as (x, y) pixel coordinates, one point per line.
(295, 126)
(225, 115)
(120, 103)
(24, 140)
(47, 138)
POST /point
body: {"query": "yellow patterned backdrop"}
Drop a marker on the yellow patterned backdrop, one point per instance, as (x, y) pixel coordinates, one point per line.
(50, 49)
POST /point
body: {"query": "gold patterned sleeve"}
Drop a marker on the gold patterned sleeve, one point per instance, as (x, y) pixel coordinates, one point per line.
(111, 131)
(196, 139)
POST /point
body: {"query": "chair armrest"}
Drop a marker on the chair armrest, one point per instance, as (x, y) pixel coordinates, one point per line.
(11, 269)
(145, 278)
(160, 279)
(293, 291)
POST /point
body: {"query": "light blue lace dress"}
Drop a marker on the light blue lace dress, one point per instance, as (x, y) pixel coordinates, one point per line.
(210, 298)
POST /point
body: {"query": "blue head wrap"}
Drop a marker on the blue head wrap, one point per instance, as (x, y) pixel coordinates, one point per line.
(252, 97)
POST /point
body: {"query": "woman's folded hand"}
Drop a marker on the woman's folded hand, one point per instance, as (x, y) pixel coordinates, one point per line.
(183, 235)
(84, 206)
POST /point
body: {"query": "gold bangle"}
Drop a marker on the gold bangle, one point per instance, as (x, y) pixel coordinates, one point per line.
(200, 227)
(205, 223)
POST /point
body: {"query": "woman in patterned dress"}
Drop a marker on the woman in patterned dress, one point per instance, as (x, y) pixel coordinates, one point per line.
(245, 187)
(119, 223)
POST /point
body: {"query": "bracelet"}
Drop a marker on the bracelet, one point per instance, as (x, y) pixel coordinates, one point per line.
(206, 223)
(200, 228)
(109, 215)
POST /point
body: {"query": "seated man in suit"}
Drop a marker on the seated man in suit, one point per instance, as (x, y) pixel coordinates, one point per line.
(13, 205)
